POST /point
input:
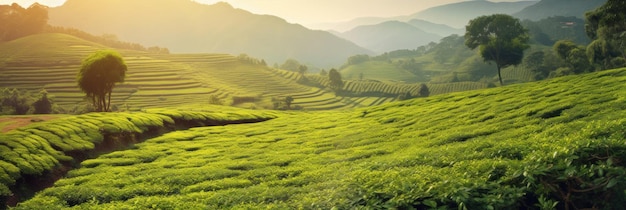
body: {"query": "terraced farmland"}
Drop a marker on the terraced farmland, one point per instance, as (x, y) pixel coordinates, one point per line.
(378, 70)
(557, 143)
(51, 61)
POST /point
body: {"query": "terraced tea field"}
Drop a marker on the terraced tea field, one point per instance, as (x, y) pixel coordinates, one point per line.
(51, 61)
(378, 70)
(552, 144)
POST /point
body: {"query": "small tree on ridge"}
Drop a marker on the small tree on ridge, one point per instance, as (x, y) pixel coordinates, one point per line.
(97, 76)
(336, 83)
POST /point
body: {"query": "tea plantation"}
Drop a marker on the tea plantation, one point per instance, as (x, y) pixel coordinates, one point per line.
(557, 143)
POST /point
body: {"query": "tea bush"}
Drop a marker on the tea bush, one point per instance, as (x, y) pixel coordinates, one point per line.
(557, 143)
(42, 147)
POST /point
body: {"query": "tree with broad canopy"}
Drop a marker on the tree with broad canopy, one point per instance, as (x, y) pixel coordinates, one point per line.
(97, 76)
(501, 38)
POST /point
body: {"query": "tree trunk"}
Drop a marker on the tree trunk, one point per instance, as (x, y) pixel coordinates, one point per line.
(93, 101)
(103, 102)
(500, 75)
(108, 108)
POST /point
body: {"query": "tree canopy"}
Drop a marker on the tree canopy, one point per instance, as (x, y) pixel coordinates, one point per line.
(606, 26)
(291, 65)
(336, 83)
(501, 38)
(97, 76)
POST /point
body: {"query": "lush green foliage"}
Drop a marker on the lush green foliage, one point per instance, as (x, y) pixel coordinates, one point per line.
(501, 38)
(39, 148)
(20, 102)
(335, 80)
(556, 143)
(97, 76)
(606, 25)
(550, 30)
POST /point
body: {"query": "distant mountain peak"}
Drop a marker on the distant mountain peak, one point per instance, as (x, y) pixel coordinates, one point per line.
(186, 26)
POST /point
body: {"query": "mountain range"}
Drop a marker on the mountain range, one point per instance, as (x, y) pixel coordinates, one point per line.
(453, 16)
(457, 15)
(389, 36)
(185, 26)
(220, 28)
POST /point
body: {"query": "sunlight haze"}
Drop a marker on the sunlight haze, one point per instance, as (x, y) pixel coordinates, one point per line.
(310, 13)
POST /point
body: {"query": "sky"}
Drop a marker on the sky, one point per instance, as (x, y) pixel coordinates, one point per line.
(310, 12)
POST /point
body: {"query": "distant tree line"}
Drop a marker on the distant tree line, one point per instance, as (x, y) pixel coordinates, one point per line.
(17, 22)
(244, 58)
(20, 102)
(109, 40)
(293, 65)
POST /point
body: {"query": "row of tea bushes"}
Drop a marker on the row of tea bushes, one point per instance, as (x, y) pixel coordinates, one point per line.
(40, 147)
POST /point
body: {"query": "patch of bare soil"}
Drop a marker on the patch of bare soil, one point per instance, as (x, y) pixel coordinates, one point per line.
(8, 123)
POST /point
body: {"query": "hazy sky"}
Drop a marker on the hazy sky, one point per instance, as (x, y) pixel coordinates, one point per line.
(311, 11)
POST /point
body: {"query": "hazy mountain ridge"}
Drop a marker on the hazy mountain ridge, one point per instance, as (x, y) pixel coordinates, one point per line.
(420, 28)
(439, 15)
(435, 28)
(551, 8)
(457, 15)
(389, 36)
(205, 28)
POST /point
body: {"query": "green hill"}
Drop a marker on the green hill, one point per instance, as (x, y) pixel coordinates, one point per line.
(557, 143)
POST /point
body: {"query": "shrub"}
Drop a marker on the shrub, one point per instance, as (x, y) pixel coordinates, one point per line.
(43, 105)
(244, 99)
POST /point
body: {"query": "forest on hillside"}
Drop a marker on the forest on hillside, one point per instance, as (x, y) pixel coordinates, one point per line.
(559, 46)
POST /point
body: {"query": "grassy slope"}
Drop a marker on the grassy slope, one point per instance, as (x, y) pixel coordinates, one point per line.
(477, 149)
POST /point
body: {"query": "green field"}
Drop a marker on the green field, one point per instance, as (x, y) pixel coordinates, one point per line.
(555, 143)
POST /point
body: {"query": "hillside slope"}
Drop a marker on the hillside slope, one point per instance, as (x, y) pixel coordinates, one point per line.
(389, 36)
(457, 15)
(439, 29)
(551, 8)
(217, 28)
(557, 143)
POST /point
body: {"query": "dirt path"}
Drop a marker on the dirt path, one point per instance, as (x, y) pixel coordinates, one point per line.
(8, 123)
